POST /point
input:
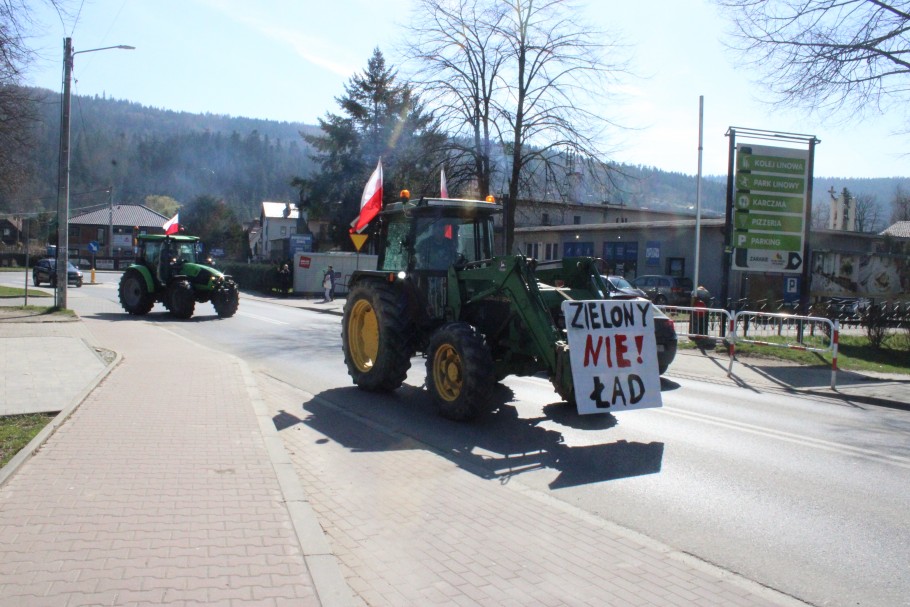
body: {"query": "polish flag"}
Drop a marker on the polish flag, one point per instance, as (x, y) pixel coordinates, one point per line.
(443, 189)
(172, 225)
(371, 201)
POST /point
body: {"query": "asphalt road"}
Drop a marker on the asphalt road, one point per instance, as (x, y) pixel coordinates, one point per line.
(806, 496)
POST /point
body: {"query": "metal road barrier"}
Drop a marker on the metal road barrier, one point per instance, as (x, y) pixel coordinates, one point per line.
(702, 324)
(808, 333)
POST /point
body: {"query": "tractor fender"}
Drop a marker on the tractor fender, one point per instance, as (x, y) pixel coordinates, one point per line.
(146, 275)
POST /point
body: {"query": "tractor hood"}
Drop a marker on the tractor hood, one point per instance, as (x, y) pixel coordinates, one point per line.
(203, 277)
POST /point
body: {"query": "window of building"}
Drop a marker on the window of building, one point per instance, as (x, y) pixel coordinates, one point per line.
(284, 230)
(676, 266)
(576, 220)
(545, 219)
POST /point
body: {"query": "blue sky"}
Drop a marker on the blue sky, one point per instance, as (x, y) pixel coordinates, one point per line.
(289, 59)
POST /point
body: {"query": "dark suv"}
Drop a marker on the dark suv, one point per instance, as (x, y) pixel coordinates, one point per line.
(46, 271)
(665, 290)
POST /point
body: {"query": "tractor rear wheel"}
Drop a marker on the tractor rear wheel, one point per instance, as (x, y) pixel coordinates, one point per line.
(134, 297)
(226, 299)
(181, 298)
(376, 337)
(459, 371)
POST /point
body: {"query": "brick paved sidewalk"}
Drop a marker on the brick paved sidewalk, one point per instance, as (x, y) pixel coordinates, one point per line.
(412, 528)
(158, 490)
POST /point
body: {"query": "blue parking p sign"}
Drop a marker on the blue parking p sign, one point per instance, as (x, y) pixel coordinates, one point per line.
(93, 246)
(791, 288)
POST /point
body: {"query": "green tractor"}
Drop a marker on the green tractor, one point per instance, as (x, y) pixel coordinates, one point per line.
(166, 270)
(439, 291)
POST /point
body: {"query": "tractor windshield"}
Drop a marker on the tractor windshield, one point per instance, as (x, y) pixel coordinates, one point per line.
(441, 241)
(183, 252)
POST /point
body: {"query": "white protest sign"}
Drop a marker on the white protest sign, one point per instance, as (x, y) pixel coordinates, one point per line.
(613, 354)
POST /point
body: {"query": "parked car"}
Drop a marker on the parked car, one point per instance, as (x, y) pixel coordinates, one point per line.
(46, 271)
(618, 284)
(665, 290)
(664, 329)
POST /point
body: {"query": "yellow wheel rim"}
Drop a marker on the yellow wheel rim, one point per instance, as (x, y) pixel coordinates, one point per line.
(447, 372)
(363, 335)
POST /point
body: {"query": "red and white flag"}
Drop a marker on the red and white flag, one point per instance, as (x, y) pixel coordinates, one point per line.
(172, 225)
(443, 188)
(370, 201)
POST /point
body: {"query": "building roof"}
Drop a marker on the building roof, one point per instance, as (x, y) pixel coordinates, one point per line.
(588, 227)
(279, 210)
(901, 229)
(123, 215)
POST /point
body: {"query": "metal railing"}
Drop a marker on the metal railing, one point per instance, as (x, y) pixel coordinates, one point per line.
(700, 323)
(779, 330)
(806, 333)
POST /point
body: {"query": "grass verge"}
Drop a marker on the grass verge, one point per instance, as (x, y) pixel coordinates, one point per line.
(853, 353)
(17, 292)
(17, 430)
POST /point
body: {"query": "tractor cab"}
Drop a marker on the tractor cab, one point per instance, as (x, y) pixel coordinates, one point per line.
(430, 235)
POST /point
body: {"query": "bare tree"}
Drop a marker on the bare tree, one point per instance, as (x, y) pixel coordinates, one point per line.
(827, 54)
(867, 212)
(518, 72)
(460, 57)
(821, 214)
(16, 108)
(900, 205)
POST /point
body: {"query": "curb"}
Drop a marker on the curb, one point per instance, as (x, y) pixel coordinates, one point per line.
(286, 303)
(331, 587)
(38, 441)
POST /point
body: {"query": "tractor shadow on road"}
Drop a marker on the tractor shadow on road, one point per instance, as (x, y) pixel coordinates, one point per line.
(498, 445)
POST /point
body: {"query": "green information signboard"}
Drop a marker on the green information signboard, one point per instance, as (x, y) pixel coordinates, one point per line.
(769, 212)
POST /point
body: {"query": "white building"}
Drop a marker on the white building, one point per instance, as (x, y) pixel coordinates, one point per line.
(278, 221)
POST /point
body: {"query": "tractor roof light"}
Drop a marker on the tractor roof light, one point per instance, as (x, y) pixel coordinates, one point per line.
(405, 195)
(490, 198)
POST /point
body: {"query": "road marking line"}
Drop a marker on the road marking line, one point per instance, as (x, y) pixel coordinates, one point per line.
(897, 460)
(263, 318)
(818, 443)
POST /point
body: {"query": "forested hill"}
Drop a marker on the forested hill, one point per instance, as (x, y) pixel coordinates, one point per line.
(143, 151)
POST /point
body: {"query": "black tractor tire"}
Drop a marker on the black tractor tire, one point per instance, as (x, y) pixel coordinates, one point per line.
(134, 297)
(459, 371)
(181, 298)
(226, 300)
(376, 337)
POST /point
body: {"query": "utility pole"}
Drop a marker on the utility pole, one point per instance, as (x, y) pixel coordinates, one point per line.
(63, 179)
(110, 222)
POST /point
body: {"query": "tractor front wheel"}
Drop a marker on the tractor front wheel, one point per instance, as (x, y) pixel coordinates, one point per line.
(459, 371)
(376, 337)
(134, 297)
(226, 299)
(181, 298)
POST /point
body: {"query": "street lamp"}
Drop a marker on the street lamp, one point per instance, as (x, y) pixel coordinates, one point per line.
(63, 183)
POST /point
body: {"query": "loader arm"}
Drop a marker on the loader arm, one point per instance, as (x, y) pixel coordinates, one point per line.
(511, 281)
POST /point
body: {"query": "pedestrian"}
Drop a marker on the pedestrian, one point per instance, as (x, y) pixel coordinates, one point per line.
(328, 284)
(284, 279)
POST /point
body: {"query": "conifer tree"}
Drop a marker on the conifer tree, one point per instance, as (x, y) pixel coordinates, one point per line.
(381, 118)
